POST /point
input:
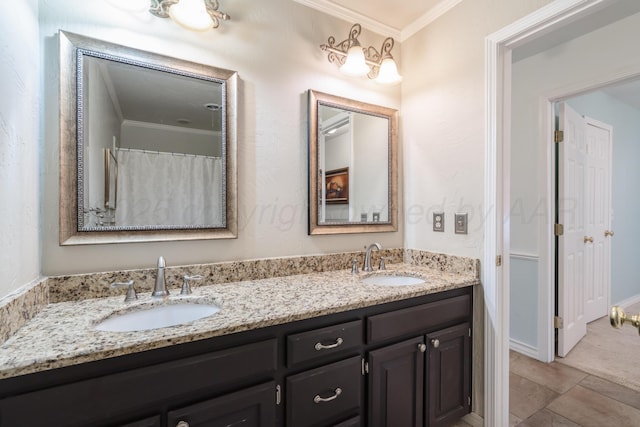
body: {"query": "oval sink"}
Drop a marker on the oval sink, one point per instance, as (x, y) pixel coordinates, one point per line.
(392, 280)
(155, 317)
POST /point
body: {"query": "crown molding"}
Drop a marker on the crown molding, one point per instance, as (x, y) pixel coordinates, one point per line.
(401, 35)
(351, 16)
(431, 15)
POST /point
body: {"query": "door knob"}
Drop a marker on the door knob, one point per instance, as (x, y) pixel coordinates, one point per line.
(608, 233)
(435, 342)
(618, 317)
(588, 239)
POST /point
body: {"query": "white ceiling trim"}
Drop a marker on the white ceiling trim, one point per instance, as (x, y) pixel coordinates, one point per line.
(351, 16)
(432, 14)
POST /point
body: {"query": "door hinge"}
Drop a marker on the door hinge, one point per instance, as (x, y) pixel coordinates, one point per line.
(558, 229)
(558, 323)
(278, 394)
(469, 400)
(365, 367)
(558, 136)
(469, 332)
(499, 261)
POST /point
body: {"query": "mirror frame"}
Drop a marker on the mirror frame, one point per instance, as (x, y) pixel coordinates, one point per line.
(319, 98)
(70, 44)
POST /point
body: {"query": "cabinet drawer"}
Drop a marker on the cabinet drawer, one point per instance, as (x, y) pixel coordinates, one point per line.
(418, 319)
(255, 406)
(108, 397)
(318, 396)
(351, 422)
(318, 343)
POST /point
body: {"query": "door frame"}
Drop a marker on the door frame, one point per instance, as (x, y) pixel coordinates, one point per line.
(495, 272)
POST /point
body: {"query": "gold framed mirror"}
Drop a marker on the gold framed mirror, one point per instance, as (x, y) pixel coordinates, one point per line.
(147, 146)
(353, 176)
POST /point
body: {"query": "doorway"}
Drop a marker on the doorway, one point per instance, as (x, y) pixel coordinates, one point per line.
(550, 21)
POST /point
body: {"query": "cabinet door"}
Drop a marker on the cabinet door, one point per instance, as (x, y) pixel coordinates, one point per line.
(448, 375)
(251, 407)
(396, 385)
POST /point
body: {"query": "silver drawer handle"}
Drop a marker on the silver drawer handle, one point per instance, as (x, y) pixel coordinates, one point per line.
(319, 399)
(182, 424)
(435, 342)
(319, 346)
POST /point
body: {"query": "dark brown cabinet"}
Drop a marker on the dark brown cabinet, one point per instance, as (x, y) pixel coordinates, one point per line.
(405, 363)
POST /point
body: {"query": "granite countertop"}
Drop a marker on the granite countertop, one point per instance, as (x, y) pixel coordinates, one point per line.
(63, 334)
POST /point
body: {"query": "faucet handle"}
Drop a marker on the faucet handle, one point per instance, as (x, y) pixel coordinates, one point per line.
(186, 287)
(354, 266)
(131, 292)
(382, 266)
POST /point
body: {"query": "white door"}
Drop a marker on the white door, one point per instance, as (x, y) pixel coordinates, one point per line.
(598, 219)
(584, 201)
(572, 164)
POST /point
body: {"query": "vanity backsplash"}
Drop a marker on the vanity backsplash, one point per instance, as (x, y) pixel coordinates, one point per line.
(18, 308)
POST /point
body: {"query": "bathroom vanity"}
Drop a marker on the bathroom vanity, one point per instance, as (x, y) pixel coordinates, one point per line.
(320, 350)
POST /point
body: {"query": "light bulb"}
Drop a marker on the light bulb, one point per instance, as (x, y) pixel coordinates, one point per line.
(388, 73)
(191, 14)
(355, 64)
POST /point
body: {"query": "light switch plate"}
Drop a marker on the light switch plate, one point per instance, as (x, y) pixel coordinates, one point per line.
(461, 220)
(438, 221)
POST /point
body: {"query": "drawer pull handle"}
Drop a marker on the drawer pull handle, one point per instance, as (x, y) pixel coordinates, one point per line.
(182, 424)
(320, 346)
(436, 343)
(318, 399)
(422, 348)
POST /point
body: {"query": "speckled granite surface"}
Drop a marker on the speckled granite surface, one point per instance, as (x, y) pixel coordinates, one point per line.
(19, 308)
(63, 334)
(97, 285)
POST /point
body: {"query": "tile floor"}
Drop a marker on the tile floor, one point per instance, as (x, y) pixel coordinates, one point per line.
(555, 394)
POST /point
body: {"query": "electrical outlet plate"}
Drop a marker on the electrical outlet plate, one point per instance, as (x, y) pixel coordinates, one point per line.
(438, 221)
(461, 220)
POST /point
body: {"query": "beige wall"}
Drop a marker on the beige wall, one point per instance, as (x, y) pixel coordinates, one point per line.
(443, 122)
(19, 150)
(274, 46)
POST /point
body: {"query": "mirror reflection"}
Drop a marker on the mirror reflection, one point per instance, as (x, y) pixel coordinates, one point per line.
(152, 147)
(153, 143)
(352, 161)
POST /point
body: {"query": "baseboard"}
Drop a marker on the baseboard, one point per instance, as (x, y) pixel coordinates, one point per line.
(628, 301)
(523, 348)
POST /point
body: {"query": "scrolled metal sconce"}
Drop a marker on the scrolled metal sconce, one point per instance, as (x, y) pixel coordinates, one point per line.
(355, 60)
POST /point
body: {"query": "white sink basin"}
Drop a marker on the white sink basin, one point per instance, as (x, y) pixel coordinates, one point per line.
(392, 280)
(160, 316)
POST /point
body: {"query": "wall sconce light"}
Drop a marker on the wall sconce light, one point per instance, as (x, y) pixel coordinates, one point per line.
(194, 15)
(354, 60)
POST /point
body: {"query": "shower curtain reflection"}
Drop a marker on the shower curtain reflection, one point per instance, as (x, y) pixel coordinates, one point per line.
(166, 189)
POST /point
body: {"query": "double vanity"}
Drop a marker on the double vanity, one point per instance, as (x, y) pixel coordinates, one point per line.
(387, 348)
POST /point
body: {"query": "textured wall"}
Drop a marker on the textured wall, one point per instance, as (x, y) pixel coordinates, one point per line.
(274, 46)
(443, 122)
(19, 148)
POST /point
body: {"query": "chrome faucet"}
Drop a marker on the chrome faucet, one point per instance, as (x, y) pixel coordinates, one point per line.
(367, 256)
(160, 289)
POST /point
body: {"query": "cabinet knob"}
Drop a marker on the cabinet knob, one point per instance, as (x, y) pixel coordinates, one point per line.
(182, 424)
(422, 348)
(435, 342)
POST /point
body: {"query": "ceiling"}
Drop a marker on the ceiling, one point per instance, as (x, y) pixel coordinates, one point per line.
(399, 20)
